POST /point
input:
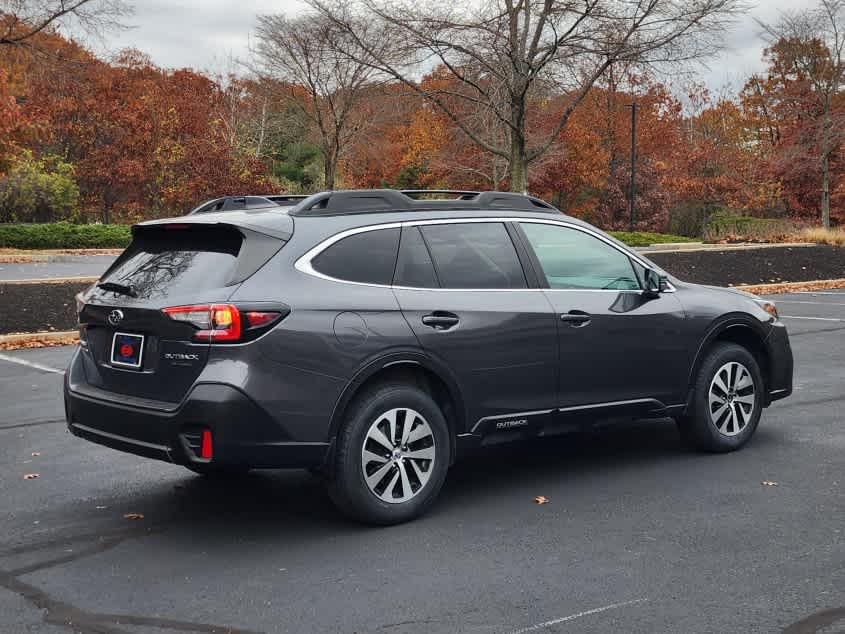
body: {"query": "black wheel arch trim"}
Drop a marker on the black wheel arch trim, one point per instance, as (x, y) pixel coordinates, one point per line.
(719, 326)
(410, 357)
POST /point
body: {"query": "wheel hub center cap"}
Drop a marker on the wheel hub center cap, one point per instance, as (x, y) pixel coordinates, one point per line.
(397, 455)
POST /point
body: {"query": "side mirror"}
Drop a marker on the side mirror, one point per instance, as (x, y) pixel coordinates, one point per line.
(654, 283)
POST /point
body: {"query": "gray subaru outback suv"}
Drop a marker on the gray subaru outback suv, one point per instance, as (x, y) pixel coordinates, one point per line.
(371, 336)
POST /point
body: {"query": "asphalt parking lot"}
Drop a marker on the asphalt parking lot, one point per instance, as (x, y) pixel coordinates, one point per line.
(639, 535)
(61, 266)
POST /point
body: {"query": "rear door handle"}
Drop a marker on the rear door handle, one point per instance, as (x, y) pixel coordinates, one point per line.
(576, 317)
(441, 320)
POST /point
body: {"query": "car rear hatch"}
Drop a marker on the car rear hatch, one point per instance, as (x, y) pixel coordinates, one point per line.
(141, 325)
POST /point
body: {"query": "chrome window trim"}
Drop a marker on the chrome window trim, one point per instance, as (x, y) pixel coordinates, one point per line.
(304, 263)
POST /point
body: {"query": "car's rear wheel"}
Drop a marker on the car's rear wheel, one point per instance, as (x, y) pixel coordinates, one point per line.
(392, 455)
(727, 400)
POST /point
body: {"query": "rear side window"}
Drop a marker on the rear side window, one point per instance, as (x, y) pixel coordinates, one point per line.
(161, 262)
(474, 255)
(368, 257)
(414, 267)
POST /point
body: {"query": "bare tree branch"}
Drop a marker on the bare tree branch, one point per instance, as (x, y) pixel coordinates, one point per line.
(808, 47)
(22, 20)
(304, 54)
(505, 54)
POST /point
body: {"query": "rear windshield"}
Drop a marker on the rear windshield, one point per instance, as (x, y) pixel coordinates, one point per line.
(164, 262)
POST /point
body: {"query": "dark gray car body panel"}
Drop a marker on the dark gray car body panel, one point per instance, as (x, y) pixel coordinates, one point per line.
(511, 365)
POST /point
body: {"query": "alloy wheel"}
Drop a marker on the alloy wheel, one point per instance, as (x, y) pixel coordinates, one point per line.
(398, 455)
(731, 398)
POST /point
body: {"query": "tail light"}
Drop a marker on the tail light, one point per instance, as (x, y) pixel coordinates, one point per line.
(223, 322)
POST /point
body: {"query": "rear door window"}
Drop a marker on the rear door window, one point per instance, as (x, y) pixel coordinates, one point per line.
(165, 262)
(414, 267)
(474, 255)
(368, 257)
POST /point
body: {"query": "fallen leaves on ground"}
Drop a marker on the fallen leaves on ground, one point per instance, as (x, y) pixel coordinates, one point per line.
(31, 476)
(39, 341)
(35, 454)
(133, 516)
(769, 483)
(792, 287)
(541, 499)
(28, 253)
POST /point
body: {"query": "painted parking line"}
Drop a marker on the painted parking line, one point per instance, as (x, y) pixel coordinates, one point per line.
(572, 617)
(798, 301)
(812, 318)
(840, 293)
(30, 364)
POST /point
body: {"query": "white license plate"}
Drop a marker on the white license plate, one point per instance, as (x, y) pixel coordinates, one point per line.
(127, 350)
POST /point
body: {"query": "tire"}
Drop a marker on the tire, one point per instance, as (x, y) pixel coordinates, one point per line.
(211, 470)
(718, 419)
(403, 482)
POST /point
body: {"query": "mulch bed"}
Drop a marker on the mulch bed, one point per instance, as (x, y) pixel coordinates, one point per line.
(754, 266)
(38, 306)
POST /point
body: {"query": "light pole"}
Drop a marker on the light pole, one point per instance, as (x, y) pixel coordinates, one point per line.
(632, 207)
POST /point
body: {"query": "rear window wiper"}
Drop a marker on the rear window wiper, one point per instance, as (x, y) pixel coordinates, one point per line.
(114, 287)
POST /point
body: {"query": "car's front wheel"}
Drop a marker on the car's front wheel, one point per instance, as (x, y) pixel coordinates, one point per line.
(392, 454)
(727, 400)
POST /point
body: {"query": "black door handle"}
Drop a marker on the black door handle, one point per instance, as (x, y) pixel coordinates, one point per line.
(576, 318)
(440, 320)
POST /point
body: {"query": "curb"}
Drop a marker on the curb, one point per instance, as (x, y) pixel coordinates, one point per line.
(676, 247)
(38, 339)
(786, 287)
(72, 256)
(52, 280)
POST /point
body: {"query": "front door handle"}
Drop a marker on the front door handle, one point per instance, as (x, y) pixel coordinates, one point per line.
(577, 318)
(441, 320)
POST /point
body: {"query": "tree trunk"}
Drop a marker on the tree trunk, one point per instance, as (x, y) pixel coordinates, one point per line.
(329, 169)
(825, 203)
(518, 164)
(260, 148)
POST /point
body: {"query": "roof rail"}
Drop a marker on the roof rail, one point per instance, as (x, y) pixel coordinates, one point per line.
(354, 201)
(462, 194)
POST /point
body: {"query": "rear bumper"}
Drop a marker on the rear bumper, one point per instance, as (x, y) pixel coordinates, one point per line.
(242, 433)
(780, 363)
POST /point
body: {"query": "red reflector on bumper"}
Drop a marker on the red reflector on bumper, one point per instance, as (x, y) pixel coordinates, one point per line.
(205, 445)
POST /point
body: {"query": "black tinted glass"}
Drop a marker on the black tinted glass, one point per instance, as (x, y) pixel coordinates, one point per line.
(368, 257)
(414, 267)
(169, 262)
(575, 259)
(474, 255)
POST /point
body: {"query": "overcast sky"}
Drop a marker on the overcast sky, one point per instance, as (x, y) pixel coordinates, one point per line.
(204, 34)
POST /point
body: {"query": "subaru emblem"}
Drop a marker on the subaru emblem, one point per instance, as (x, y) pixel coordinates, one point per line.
(115, 317)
